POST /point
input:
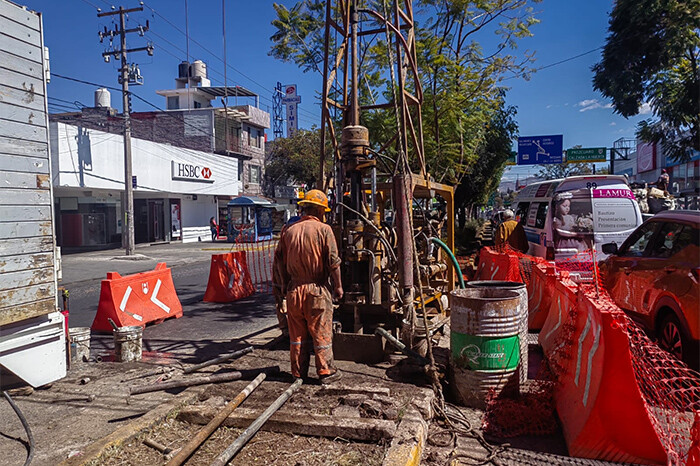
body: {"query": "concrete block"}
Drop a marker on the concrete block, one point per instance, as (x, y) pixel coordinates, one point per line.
(409, 441)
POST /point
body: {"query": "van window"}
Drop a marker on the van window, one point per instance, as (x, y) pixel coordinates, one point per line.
(532, 214)
(521, 213)
(541, 215)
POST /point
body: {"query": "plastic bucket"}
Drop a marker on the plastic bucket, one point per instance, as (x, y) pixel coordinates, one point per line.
(484, 344)
(79, 344)
(521, 289)
(127, 344)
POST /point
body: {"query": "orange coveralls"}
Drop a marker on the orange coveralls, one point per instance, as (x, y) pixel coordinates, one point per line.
(307, 253)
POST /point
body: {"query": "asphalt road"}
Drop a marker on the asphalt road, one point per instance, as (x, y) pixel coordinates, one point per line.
(205, 330)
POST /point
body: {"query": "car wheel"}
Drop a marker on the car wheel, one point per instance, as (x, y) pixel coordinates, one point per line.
(671, 336)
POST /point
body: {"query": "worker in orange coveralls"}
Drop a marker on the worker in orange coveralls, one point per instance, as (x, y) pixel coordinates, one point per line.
(307, 257)
(278, 285)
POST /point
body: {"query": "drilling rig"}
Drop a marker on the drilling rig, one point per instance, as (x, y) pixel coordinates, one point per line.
(394, 227)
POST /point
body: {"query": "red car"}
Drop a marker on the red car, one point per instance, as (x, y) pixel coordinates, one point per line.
(654, 277)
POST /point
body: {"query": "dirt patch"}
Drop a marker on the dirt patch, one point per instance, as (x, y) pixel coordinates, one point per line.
(265, 448)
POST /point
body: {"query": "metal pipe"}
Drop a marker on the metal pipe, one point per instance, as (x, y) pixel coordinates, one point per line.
(214, 424)
(229, 377)
(373, 265)
(402, 197)
(400, 346)
(211, 362)
(157, 446)
(374, 188)
(240, 442)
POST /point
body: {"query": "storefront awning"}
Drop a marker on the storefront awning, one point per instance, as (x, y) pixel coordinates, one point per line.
(250, 201)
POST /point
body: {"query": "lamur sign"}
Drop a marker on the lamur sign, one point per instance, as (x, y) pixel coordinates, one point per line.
(190, 172)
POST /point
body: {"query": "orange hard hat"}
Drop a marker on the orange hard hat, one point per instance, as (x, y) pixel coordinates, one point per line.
(315, 197)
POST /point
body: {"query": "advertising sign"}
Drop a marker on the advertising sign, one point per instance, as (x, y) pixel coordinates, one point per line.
(184, 171)
(646, 157)
(540, 150)
(593, 154)
(291, 100)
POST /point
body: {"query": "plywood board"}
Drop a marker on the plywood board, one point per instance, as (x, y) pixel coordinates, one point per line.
(16, 246)
(11, 146)
(23, 131)
(23, 180)
(25, 229)
(27, 294)
(27, 278)
(27, 311)
(25, 262)
(25, 197)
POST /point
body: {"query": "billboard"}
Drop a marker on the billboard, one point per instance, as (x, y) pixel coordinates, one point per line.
(291, 100)
(646, 157)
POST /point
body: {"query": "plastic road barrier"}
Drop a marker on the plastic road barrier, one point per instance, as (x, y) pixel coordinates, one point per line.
(599, 403)
(135, 300)
(229, 278)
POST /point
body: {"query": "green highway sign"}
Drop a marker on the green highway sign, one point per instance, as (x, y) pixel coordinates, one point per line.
(593, 154)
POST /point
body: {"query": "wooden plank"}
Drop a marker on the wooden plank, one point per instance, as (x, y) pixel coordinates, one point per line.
(25, 197)
(17, 48)
(19, 163)
(20, 65)
(27, 311)
(356, 428)
(22, 114)
(14, 213)
(19, 15)
(17, 246)
(21, 81)
(22, 131)
(25, 229)
(25, 262)
(23, 180)
(21, 98)
(20, 31)
(26, 278)
(26, 295)
(9, 145)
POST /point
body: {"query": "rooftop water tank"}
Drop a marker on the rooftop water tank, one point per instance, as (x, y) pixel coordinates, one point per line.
(103, 98)
(199, 69)
(183, 69)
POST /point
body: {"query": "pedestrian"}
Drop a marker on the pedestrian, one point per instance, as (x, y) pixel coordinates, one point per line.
(663, 181)
(511, 233)
(307, 255)
(214, 229)
(278, 291)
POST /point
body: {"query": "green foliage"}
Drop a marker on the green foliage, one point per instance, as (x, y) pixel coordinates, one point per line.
(466, 236)
(294, 160)
(562, 170)
(652, 54)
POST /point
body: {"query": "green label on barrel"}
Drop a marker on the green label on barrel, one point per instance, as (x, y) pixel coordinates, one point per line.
(485, 353)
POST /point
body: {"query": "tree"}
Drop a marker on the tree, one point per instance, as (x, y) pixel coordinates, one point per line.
(293, 160)
(652, 55)
(562, 170)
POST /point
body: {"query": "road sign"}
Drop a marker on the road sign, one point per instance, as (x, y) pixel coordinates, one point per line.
(591, 154)
(540, 150)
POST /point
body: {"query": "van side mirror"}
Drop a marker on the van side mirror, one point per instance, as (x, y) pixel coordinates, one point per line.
(610, 248)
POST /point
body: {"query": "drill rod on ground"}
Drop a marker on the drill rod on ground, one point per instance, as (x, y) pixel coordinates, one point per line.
(240, 442)
(228, 377)
(211, 362)
(400, 346)
(214, 424)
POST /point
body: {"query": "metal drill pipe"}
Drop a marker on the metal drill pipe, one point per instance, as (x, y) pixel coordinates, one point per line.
(229, 377)
(214, 424)
(240, 442)
(400, 346)
(211, 362)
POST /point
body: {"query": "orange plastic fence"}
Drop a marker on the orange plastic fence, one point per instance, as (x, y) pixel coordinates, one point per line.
(135, 300)
(229, 278)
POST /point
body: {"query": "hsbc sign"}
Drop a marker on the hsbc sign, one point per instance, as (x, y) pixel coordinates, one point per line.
(191, 172)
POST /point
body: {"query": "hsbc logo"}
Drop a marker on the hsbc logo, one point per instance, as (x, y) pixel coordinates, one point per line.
(190, 172)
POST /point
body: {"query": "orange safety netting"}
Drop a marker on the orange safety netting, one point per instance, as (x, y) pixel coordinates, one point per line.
(259, 255)
(669, 389)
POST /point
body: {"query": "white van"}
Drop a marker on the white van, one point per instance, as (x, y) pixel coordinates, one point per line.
(567, 216)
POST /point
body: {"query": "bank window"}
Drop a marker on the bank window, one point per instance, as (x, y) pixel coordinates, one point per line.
(173, 102)
(255, 174)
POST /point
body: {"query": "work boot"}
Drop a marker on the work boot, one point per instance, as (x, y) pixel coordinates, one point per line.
(331, 378)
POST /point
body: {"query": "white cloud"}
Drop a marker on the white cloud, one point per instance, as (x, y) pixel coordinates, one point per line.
(613, 124)
(591, 104)
(645, 108)
(549, 106)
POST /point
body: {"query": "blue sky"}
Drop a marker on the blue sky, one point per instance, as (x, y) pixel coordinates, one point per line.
(557, 100)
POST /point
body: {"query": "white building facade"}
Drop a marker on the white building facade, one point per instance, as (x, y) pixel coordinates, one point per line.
(176, 190)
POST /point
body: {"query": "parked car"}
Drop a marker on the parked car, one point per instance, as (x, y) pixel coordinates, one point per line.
(654, 277)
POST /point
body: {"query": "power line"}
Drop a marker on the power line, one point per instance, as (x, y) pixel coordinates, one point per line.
(519, 75)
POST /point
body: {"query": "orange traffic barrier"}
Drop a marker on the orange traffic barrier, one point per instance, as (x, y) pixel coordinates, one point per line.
(494, 265)
(229, 278)
(602, 411)
(135, 300)
(540, 291)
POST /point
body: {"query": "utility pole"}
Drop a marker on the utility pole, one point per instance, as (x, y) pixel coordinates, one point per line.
(127, 75)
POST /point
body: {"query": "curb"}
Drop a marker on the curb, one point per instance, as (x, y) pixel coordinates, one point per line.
(93, 451)
(409, 442)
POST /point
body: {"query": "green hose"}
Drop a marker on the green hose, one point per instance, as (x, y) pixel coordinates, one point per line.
(453, 258)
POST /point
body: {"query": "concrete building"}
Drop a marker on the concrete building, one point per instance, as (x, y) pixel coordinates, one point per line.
(231, 138)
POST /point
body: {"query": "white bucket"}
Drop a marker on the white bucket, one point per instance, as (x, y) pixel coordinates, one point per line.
(79, 343)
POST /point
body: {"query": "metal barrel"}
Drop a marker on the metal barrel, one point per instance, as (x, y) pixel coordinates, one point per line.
(80, 343)
(522, 311)
(127, 344)
(484, 344)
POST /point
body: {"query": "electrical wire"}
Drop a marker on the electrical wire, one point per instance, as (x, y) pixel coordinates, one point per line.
(25, 424)
(520, 75)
